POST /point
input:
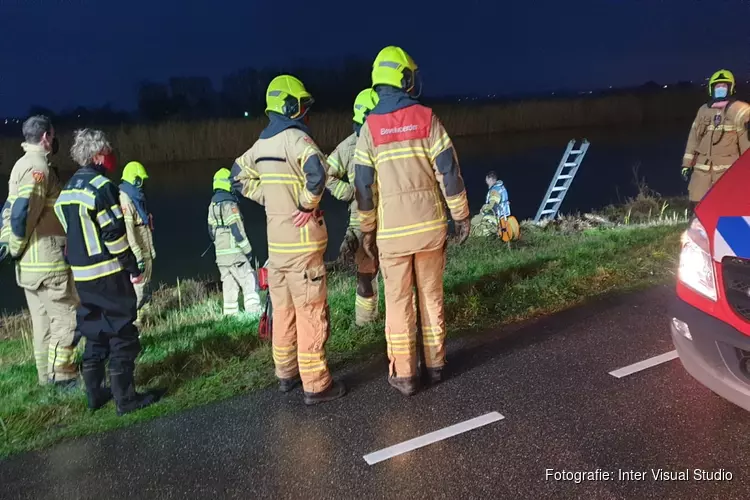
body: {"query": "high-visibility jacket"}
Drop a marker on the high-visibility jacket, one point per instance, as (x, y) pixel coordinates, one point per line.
(90, 213)
(284, 171)
(718, 137)
(497, 202)
(140, 237)
(29, 225)
(403, 160)
(341, 176)
(227, 229)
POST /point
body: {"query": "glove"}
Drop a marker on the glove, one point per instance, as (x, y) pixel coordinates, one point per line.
(4, 251)
(686, 171)
(369, 245)
(141, 266)
(463, 227)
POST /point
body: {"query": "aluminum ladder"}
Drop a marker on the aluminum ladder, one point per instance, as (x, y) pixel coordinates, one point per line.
(566, 171)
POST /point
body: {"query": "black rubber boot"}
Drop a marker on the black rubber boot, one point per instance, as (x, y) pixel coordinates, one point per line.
(435, 375)
(408, 386)
(334, 391)
(126, 399)
(97, 394)
(287, 384)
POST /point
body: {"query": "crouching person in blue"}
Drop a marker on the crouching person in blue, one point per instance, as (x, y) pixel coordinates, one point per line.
(104, 270)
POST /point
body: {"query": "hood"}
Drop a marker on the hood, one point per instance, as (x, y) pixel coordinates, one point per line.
(221, 196)
(278, 123)
(392, 99)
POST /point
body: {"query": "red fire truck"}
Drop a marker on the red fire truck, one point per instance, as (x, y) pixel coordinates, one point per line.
(710, 317)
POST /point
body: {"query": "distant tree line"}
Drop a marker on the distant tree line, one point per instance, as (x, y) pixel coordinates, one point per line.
(242, 93)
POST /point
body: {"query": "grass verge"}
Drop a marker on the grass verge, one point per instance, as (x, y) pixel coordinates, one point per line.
(201, 357)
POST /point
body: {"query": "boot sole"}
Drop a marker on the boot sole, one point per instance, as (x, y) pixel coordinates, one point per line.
(325, 399)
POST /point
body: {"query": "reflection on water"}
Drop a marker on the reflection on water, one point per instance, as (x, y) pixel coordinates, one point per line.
(179, 193)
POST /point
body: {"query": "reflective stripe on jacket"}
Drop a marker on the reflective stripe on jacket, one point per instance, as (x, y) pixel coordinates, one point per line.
(718, 137)
(227, 230)
(90, 213)
(29, 225)
(405, 164)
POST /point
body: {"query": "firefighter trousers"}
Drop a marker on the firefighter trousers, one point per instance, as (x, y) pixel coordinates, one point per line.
(701, 181)
(236, 277)
(399, 275)
(52, 307)
(301, 323)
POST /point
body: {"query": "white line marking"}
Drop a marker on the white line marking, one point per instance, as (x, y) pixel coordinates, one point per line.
(642, 365)
(432, 437)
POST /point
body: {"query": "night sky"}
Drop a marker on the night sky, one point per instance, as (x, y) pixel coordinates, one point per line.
(63, 53)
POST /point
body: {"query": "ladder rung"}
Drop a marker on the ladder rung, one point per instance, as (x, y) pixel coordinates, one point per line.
(548, 212)
(553, 200)
(576, 152)
(570, 164)
(559, 188)
(565, 177)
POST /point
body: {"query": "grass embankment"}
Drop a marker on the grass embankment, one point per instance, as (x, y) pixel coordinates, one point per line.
(199, 356)
(221, 139)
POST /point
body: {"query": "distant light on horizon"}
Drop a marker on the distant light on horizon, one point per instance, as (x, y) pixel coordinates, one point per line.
(247, 114)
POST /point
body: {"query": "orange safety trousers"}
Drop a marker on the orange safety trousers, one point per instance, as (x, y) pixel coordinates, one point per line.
(301, 323)
(399, 275)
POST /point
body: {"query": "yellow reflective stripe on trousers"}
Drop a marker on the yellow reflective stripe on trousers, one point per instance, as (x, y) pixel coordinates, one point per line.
(310, 362)
(422, 227)
(229, 251)
(289, 248)
(96, 271)
(43, 267)
(284, 354)
(118, 246)
(432, 336)
(367, 303)
(90, 235)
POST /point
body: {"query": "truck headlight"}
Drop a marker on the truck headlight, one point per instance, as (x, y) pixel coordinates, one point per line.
(696, 265)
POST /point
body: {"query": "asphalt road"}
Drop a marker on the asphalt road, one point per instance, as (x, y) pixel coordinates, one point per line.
(549, 379)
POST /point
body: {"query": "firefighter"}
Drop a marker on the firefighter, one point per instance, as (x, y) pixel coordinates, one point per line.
(284, 171)
(341, 186)
(104, 269)
(405, 159)
(718, 137)
(233, 252)
(34, 238)
(496, 206)
(138, 224)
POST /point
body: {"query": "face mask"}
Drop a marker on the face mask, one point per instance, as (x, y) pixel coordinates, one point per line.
(720, 92)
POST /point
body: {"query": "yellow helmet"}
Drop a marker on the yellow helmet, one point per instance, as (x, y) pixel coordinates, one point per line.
(363, 104)
(134, 171)
(394, 67)
(221, 180)
(721, 76)
(287, 96)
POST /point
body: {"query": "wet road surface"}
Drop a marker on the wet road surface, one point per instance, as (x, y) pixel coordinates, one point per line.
(549, 380)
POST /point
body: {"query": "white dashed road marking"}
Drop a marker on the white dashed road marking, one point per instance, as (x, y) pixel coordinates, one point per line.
(432, 437)
(642, 365)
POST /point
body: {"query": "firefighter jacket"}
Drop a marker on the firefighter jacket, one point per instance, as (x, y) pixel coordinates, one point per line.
(90, 213)
(227, 229)
(341, 176)
(284, 171)
(137, 222)
(497, 202)
(718, 137)
(403, 160)
(29, 226)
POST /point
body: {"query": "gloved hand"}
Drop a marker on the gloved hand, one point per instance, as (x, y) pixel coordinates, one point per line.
(369, 244)
(141, 266)
(4, 251)
(463, 227)
(686, 171)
